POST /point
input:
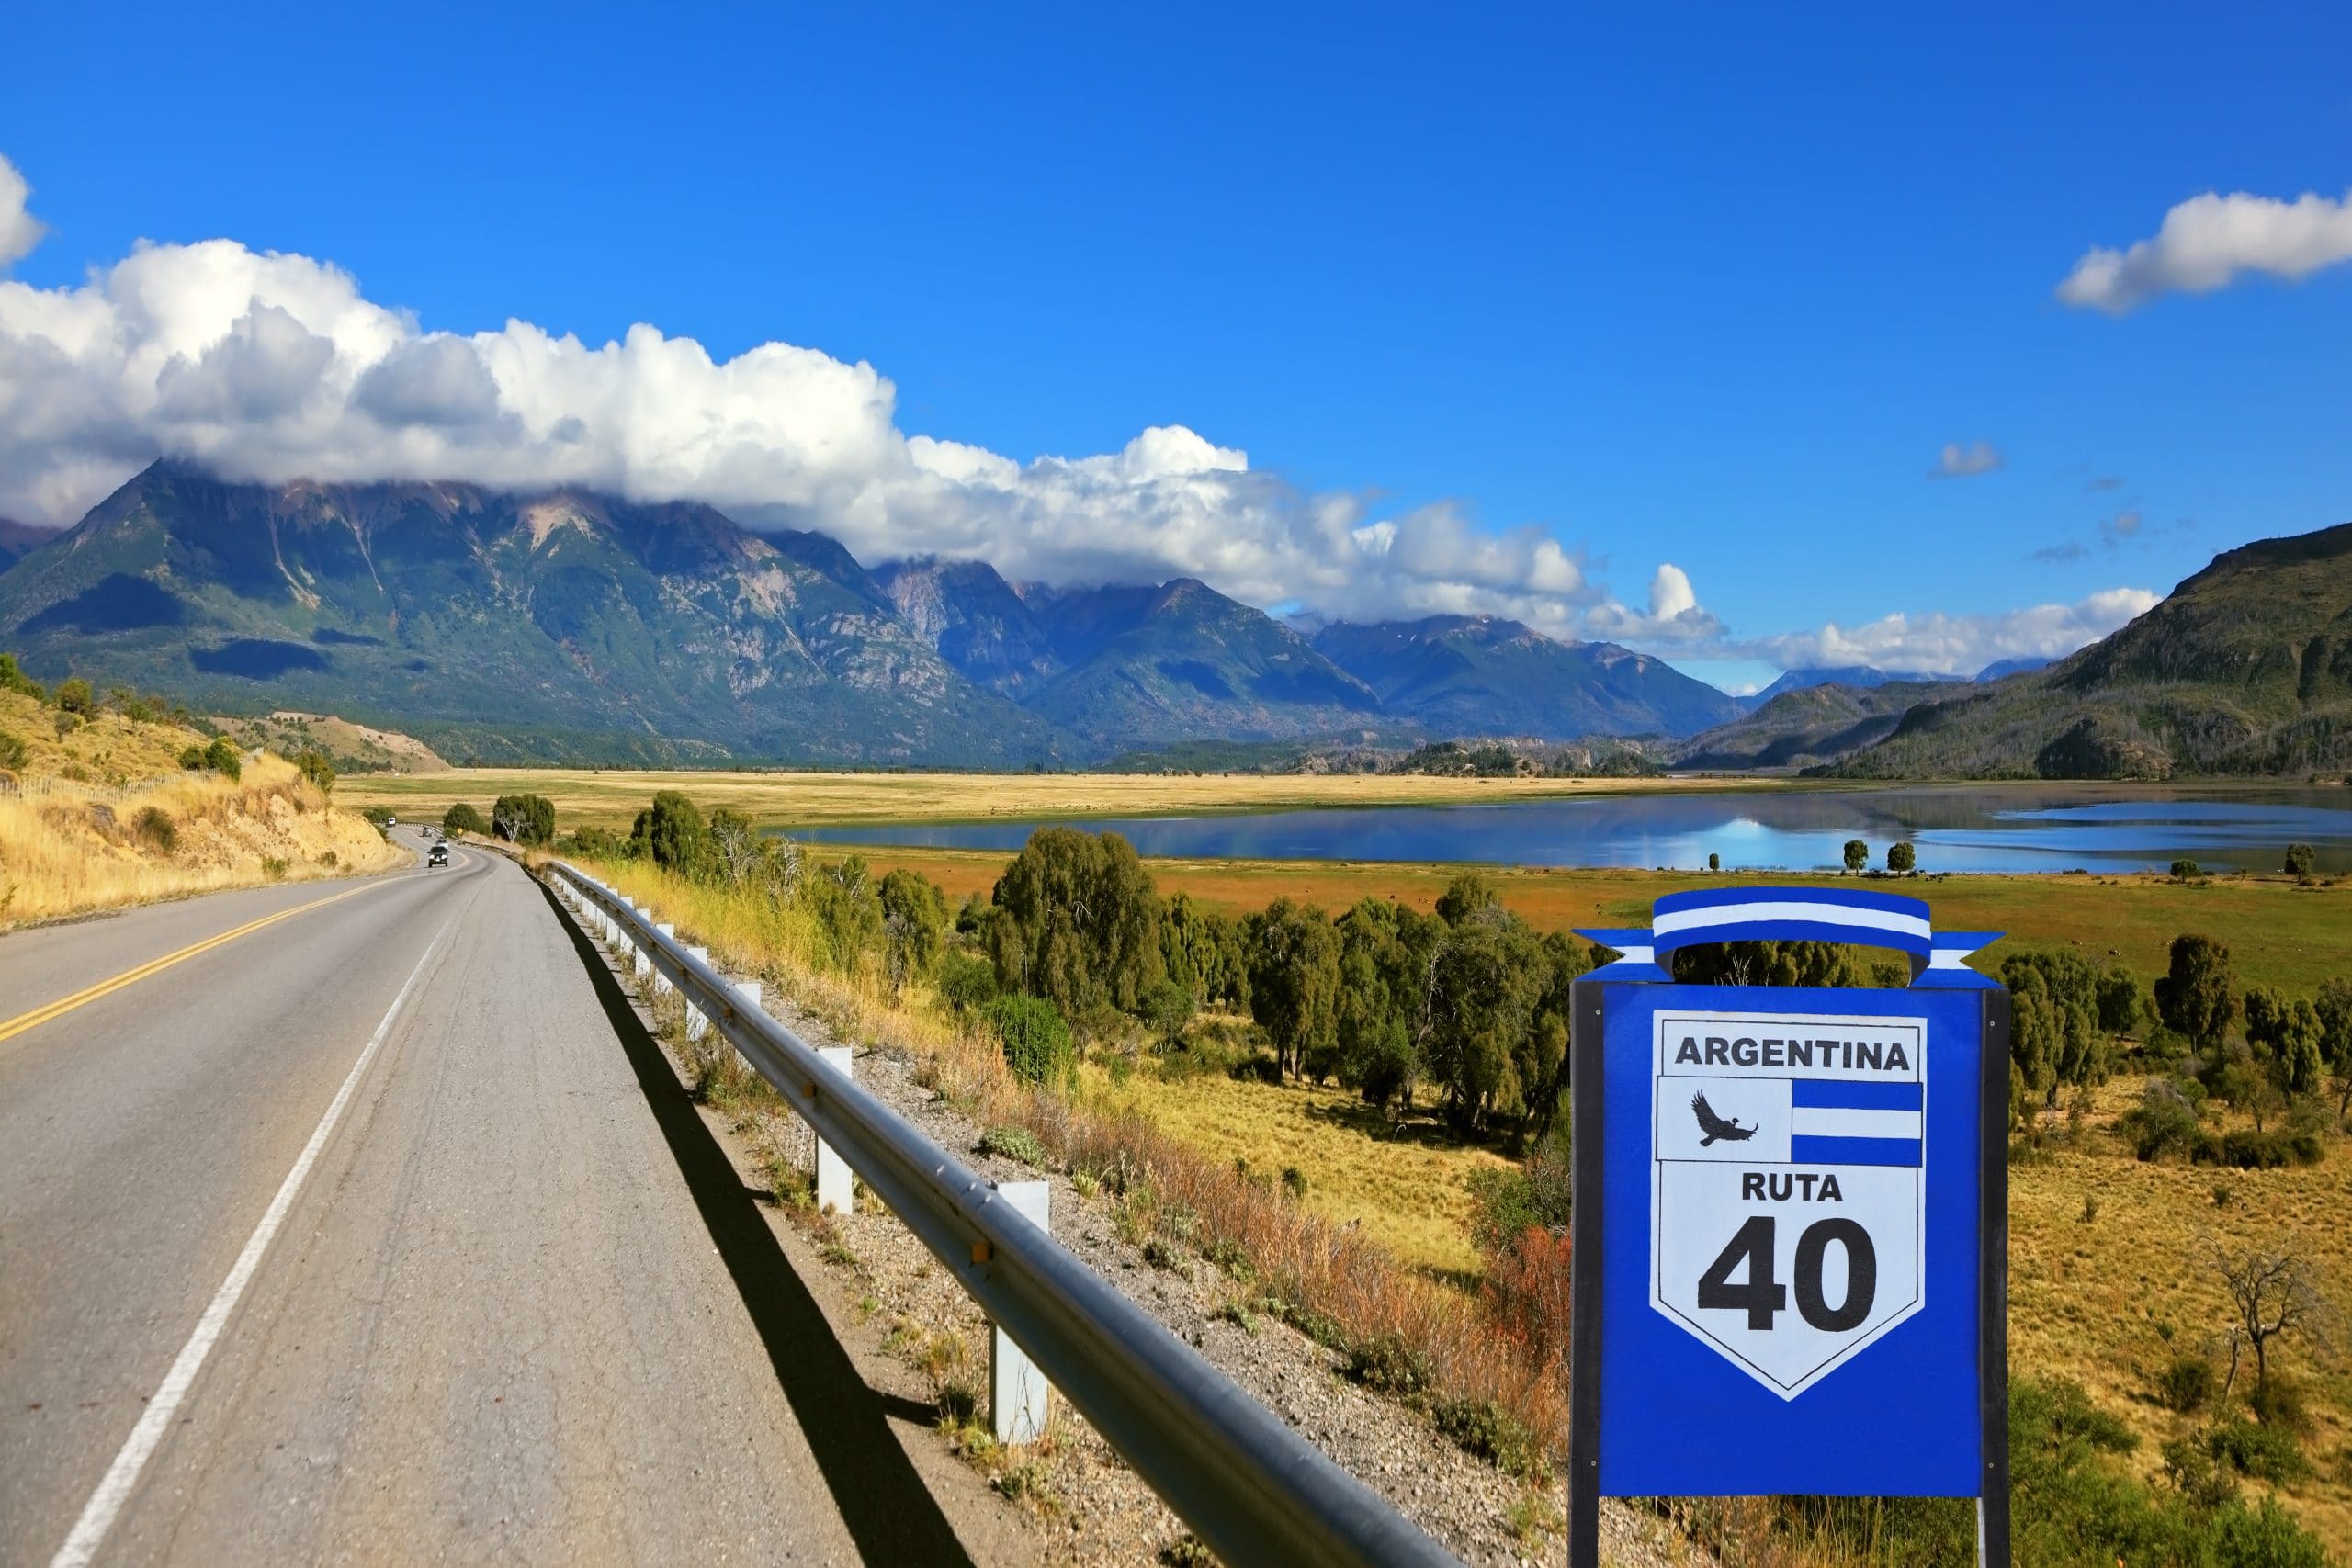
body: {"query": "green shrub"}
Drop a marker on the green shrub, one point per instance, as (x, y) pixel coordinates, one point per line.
(156, 829)
(223, 757)
(1490, 1432)
(2278, 1402)
(74, 696)
(1016, 1143)
(2165, 1121)
(1036, 1039)
(2187, 1383)
(463, 818)
(1386, 1363)
(14, 752)
(14, 679)
(966, 981)
(530, 819)
(316, 766)
(1508, 1203)
(2184, 870)
(2265, 1452)
(1293, 1181)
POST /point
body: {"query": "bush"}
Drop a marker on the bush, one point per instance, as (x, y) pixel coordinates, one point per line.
(2278, 1402)
(2165, 1121)
(74, 696)
(1017, 1143)
(223, 757)
(463, 818)
(14, 679)
(1902, 857)
(156, 829)
(672, 834)
(966, 981)
(2185, 870)
(316, 766)
(1036, 1039)
(1490, 1432)
(14, 752)
(2263, 1451)
(2186, 1383)
(2300, 862)
(1387, 1364)
(1508, 1202)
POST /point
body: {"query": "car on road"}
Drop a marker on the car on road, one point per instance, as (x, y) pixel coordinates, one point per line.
(440, 855)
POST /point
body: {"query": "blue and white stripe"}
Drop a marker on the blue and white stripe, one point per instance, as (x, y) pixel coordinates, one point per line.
(1849, 1122)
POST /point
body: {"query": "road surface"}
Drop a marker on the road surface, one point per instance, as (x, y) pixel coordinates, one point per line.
(376, 1232)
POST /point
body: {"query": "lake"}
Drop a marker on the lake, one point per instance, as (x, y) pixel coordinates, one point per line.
(2008, 828)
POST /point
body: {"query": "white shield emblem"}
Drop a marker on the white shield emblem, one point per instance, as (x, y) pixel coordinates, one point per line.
(1789, 1156)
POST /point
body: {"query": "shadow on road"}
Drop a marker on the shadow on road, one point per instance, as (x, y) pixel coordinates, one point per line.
(890, 1513)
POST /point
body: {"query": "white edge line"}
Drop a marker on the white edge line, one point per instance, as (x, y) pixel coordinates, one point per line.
(114, 1489)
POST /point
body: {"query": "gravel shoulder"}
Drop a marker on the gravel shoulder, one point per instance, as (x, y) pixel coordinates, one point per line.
(1070, 1499)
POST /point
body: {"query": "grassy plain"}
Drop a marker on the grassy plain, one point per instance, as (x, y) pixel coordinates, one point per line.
(612, 800)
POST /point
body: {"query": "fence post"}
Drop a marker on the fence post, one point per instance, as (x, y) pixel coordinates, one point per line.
(640, 955)
(696, 1021)
(661, 981)
(1019, 1395)
(833, 1171)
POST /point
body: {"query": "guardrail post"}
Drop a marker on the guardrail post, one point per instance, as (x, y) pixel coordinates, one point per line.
(640, 954)
(661, 981)
(696, 1021)
(751, 991)
(1019, 1395)
(833, 1171)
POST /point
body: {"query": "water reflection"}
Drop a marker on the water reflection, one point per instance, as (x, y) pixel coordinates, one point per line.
(1956, 828)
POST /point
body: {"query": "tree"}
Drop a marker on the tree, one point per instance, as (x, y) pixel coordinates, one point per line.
(2300, 862)
(848, 906)
(1168, 1008)
(2197, 997)
(2333, 1008)
(672, 834)
(463, 818)
(221, 756)
(1902, 857)
(316, 766)
(14, 679)
(2289, 1040)
(529, 818)
(1714, 862)
(1294, 984)
(2121, 1003)
(2186, 870)
(1202, 953)
(2273, 1297)
(914, 922)
(74, 696)
(1486, 978)
(735, 848)
(1384, 952)
(1466, 896)
(1857, 854)
(2079, 1048)
(1081, 922)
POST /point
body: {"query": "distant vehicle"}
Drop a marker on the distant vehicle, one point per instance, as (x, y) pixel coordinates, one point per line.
(391, 822)
(440, 855)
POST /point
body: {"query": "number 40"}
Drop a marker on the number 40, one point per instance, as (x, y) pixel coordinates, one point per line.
(1762, 1296)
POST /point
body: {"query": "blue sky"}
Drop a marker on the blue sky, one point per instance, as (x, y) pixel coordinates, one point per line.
(1713, 289)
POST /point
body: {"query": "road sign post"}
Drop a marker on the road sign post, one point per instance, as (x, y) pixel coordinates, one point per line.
(1789, 1227)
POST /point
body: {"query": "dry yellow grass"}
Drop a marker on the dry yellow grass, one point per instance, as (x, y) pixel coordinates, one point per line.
(75, 834)
(1410, 1194)
(789, 800)
(2094, 1298)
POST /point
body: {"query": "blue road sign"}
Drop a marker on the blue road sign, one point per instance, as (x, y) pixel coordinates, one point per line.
(1789, 1216)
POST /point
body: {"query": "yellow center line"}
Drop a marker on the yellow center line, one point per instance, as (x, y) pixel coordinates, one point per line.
(64, 1005)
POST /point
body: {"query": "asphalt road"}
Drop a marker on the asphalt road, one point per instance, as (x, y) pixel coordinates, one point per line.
(378, 1232)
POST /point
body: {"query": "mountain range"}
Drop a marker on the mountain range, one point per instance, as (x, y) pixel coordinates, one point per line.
(574, 627)
(2244, 670)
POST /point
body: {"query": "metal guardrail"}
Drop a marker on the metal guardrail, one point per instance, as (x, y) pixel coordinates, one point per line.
(1252, 1490)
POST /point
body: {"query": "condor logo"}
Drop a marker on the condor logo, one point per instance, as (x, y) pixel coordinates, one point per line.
(1789, 1158)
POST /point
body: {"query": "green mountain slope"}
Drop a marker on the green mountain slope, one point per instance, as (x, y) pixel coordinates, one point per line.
(2246, 670)
(1484, 675)
(1808, 727)
(1147, 665)
(19, 540)
(557, 626)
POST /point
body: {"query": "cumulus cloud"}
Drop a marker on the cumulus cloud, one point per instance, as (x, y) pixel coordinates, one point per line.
(19, 230)
(1675, 614)
(2207, 242)
(269, 366)
(1938, 642)
(1958, 462)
